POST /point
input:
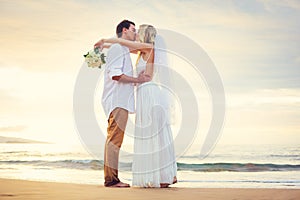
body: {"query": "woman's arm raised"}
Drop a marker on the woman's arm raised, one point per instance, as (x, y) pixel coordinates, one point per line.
(133, 46)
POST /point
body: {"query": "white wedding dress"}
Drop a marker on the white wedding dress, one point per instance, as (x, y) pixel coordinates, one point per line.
(154, 160)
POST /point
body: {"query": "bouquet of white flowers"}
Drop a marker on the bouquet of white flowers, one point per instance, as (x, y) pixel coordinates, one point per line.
(94, 58)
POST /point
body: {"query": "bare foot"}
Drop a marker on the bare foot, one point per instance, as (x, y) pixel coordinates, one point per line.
(175, 180)
(164, 185)
(120, 185)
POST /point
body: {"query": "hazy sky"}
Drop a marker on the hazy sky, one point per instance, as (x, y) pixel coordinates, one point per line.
(254, 45)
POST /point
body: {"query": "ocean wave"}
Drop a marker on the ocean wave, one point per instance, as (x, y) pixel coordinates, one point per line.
(204, 167)
(284, 156)
(237, 167)
(72, 164)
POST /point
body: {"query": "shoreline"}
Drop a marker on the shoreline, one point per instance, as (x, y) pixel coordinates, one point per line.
(23, 189)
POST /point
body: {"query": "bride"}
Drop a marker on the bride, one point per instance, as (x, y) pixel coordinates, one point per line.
(154, 162)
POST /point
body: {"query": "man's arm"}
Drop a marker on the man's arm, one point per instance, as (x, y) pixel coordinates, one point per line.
(128, 79)
(133, 46)
(115, 72)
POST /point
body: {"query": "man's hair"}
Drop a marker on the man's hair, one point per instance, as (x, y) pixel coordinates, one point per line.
(121, 25)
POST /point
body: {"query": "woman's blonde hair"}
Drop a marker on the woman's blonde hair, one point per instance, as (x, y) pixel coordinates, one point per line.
(147, 33)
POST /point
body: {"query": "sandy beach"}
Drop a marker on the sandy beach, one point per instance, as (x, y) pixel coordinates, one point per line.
(20, 189)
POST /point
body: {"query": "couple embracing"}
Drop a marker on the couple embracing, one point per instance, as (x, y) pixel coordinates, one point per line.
(154, 161)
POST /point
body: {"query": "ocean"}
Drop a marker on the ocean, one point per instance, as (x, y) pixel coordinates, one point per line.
(228, 166)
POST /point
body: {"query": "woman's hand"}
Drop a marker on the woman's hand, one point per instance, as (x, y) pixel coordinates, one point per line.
(99, 44)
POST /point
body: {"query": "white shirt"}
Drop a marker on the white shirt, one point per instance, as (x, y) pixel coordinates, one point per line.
(115, 93)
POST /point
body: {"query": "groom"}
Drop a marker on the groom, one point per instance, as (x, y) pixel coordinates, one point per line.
(118, 99)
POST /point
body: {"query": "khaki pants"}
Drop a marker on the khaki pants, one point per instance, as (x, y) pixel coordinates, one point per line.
(115, 133)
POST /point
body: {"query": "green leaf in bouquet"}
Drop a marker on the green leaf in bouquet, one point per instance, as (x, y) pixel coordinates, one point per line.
(97, 50)
(102, 56)
(86, 54)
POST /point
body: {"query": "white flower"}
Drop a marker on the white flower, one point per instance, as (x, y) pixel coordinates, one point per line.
(94, 58)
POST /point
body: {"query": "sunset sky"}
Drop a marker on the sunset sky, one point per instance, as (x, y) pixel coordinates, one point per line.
(253, 43)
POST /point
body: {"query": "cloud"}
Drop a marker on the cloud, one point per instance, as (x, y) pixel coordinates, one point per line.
(12, 128)
(9, 103)
(52, 39)
(277, 5)
(297, 60)
(42, 36)
(285, 98)
(272, 115)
